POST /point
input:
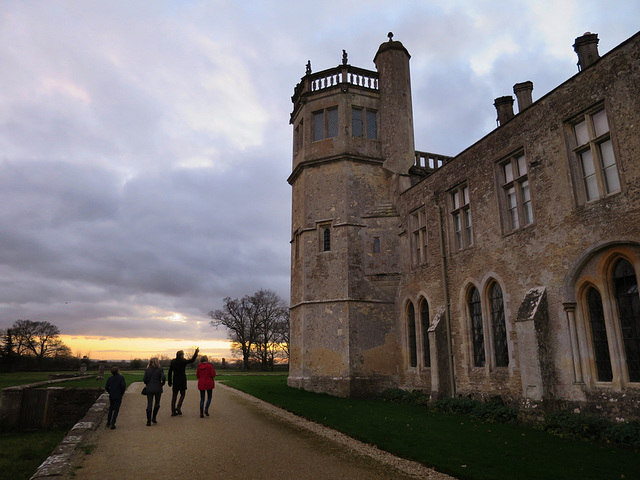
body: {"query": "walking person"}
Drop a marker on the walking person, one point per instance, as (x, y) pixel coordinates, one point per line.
(178, 379)
(205, 374)
(115, 387)
(154, 379)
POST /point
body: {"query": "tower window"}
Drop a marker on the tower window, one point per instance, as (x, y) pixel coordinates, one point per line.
(325, 124)
(372, 125)
(326, 239)
(376, 245)
(364, 123)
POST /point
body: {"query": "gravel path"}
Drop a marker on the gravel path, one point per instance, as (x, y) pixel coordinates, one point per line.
(244, 438)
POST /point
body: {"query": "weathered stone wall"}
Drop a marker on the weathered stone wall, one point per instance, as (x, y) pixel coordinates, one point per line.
(543, 254)
(349, 305)
(41, 405)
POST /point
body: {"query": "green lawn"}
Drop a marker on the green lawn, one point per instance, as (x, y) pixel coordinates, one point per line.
(22, 378)
(460, 446)
(22, 452)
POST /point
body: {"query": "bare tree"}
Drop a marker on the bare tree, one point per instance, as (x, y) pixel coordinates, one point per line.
(256, 323)
(273, 314)
(282, 335)
(40, 339)
(240, 317)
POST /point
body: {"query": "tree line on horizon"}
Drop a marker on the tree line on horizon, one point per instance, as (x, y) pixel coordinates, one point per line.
(258, 327)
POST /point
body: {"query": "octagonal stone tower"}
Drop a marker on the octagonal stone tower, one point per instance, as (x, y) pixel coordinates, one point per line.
(352, 150)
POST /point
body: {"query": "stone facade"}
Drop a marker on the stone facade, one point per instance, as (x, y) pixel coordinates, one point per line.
(509, 270)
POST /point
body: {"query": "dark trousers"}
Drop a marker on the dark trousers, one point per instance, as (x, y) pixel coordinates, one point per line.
(174, 397)
(209, 394)
(114, 408)
(150, 398)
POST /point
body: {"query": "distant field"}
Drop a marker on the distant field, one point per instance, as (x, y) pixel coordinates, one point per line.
(130, 376)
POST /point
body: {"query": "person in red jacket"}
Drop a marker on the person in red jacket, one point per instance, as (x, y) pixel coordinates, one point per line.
(205, 374)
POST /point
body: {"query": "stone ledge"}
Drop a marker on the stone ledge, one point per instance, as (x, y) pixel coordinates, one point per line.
(58, 464)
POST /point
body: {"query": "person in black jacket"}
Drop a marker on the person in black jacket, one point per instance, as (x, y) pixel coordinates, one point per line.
(178, 379)
(154, 380)
(115, 387)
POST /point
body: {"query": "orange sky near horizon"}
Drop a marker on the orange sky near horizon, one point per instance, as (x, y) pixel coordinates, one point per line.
(114, 349)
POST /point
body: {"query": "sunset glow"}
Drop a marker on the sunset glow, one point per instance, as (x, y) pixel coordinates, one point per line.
(111, 348)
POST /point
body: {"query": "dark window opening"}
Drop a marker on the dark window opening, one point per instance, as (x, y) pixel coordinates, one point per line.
(475, 312)
(599, 335)
(424, 319)
(326, 240)
(411, 324)
(501, 349)
(626, 291)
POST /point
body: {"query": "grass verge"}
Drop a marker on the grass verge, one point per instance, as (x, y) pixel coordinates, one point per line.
(22, 452)
(459, 445)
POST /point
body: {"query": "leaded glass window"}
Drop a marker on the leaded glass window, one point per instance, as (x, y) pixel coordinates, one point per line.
(477, 333)
(599, 335)
(424, 320)
(516, 195)
(626, 292)
(501, 349)
(597, 161)
(326, 240)
(411, 326)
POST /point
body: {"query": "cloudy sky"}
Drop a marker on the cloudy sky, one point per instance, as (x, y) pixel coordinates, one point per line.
(145, 145)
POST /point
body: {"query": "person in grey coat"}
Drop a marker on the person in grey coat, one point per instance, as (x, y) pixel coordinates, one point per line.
(154, 379)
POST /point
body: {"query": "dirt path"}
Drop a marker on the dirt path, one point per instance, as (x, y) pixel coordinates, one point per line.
(243, 438)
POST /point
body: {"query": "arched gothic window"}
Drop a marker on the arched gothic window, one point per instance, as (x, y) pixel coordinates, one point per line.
(477, 331)
(599, 335)
(424, 322)
(411, 327)
(625, 286)
(500, 347)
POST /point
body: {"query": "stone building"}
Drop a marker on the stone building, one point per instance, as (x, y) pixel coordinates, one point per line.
(510, 270)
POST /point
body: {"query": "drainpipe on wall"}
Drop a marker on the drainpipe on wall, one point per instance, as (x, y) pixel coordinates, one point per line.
(447, 314)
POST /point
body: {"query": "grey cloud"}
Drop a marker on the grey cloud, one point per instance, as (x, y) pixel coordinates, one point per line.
(104, 232)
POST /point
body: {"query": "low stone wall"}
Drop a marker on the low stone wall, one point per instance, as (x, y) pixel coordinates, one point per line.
(39, 405)
(58, 464)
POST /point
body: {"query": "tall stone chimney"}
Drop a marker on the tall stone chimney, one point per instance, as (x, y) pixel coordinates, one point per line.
(586, 47)
(523, 94)
(504, 106)
(396, 116)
